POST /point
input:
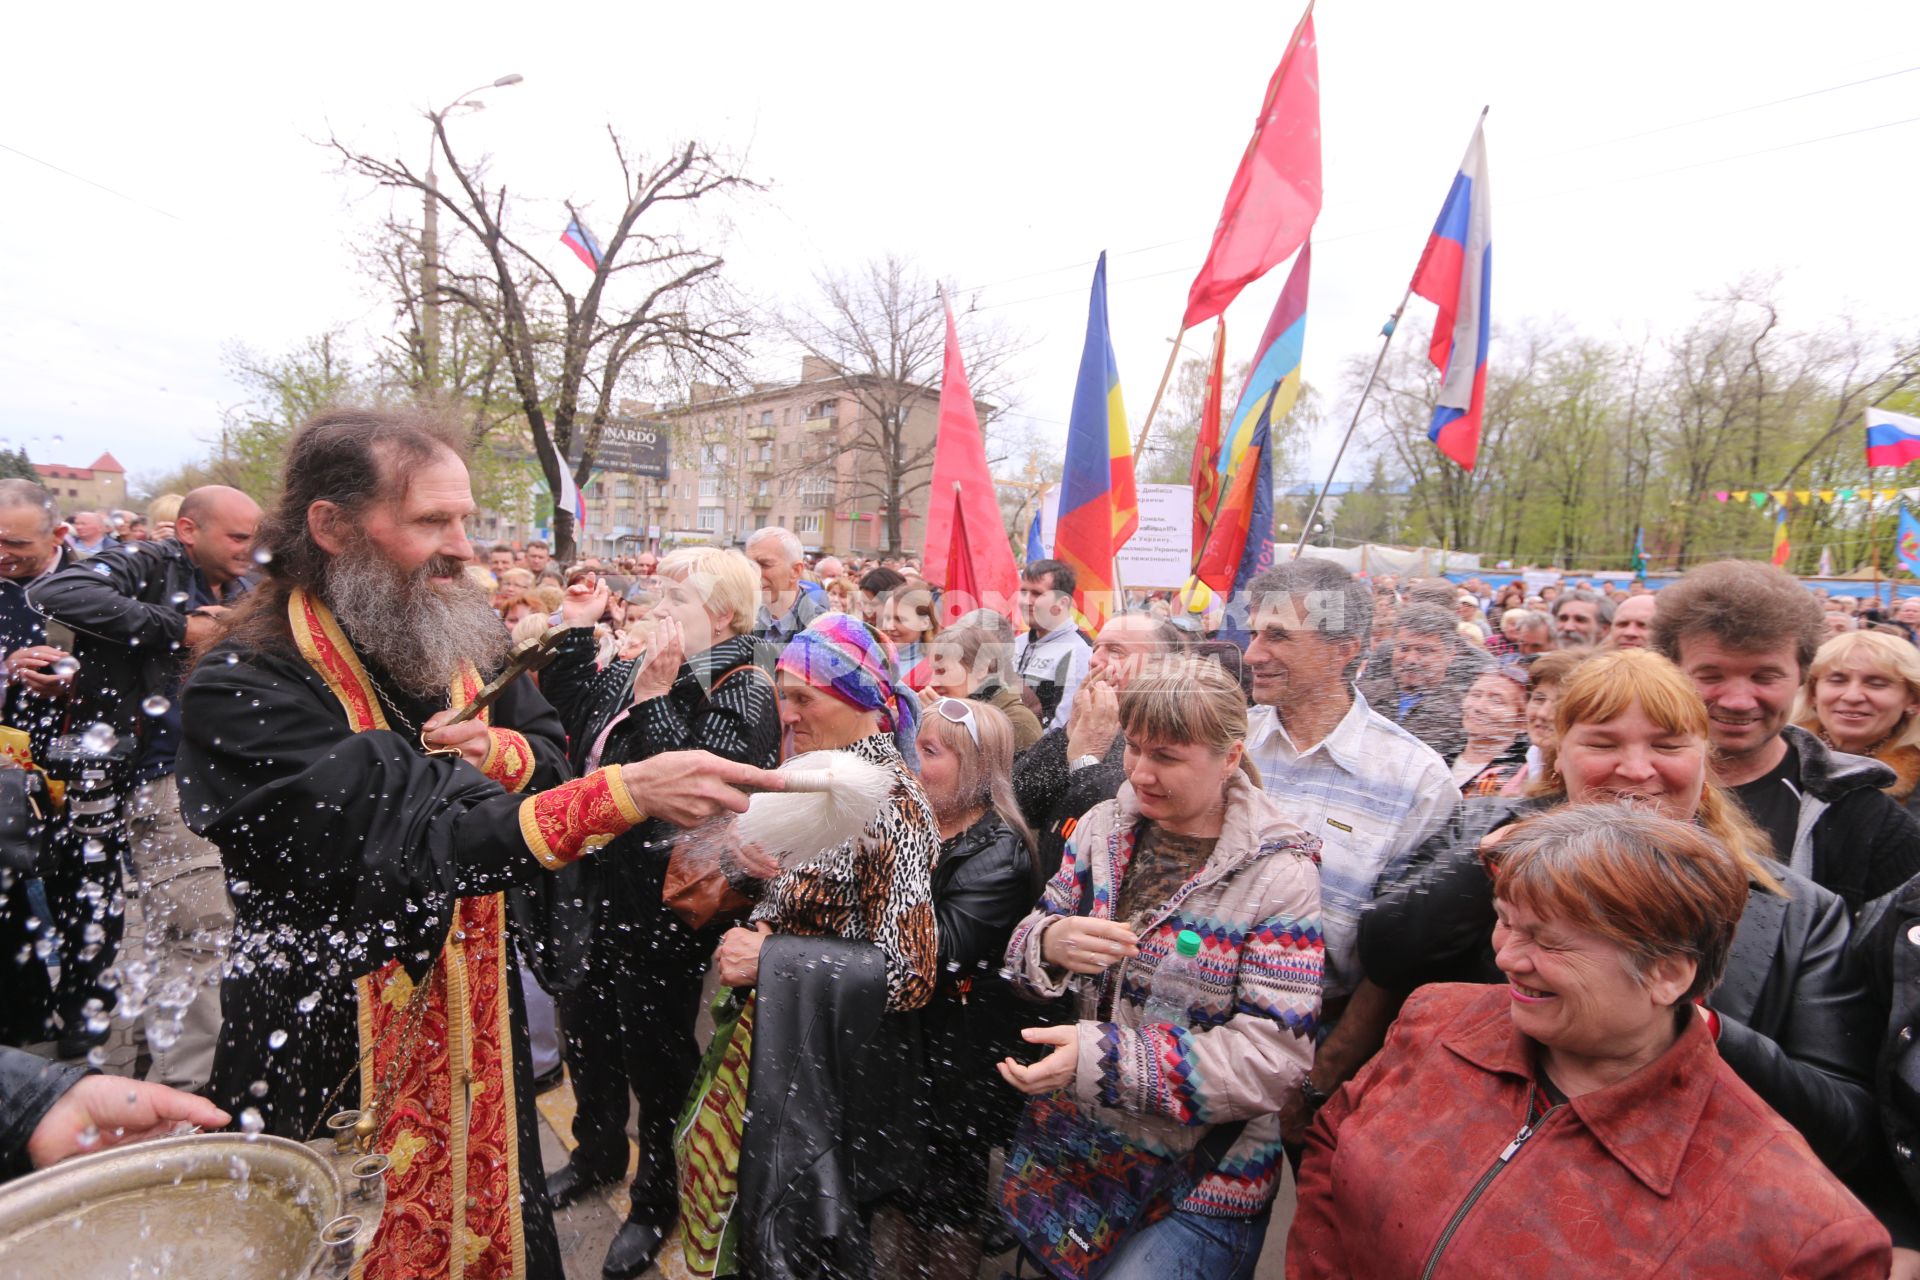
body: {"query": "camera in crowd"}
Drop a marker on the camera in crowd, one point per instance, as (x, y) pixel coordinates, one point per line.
(98, 770)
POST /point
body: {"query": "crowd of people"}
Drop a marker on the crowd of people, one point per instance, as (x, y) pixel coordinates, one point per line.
(1568, 932)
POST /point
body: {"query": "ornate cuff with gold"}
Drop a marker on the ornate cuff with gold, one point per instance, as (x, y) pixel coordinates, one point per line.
(509, 759)
(574, 818)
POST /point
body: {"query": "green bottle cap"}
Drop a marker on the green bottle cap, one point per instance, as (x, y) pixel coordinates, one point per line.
(1187, 944)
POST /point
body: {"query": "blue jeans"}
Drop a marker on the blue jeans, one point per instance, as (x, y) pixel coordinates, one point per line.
(1188, 1246)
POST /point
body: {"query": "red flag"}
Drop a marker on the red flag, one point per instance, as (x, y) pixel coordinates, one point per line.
(1227, 540)
(1204, 473)
(1275, 195)
(961, 477)
(962, 593)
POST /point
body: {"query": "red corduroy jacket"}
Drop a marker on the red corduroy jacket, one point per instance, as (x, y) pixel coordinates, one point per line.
(1418, 1168)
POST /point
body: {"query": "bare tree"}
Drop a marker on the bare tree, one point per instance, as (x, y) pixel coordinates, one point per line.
(655, 297)
(881, 332)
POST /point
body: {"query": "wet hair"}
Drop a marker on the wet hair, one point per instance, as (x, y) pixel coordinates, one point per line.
(1604, 686)
(355, 459)
(1437, 592)
(1190, 702)
(1338, 605)
(1895, 658)
(1656, 888)
(16, 495)
(1426, 620)
(1745, 606)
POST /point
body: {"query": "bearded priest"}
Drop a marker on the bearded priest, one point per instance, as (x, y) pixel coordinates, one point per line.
(368, 842)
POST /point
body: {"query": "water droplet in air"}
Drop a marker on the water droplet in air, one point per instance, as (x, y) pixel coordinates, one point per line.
(308, 1001)
(251, 1121)
(258, 1088)
(262, 556)
(98, 739)
(277, 1039)
(66, 666)
(87, 1139)
(155, 705)
(97, 1057)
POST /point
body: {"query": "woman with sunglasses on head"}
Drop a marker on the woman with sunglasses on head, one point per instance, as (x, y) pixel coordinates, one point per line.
(985, 882)
(1185, 923)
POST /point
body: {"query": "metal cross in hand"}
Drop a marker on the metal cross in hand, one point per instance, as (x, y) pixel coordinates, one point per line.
(523, 659)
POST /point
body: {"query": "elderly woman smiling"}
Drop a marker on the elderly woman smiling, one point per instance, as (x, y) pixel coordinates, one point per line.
(1577, 1120)
(1861, 696)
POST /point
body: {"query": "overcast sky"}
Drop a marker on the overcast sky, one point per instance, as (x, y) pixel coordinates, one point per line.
(1001, 146)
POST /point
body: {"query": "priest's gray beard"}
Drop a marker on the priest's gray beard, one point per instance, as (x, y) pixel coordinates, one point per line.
(416, 630)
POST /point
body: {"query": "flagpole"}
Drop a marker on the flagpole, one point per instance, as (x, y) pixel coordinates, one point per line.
(1166, 375)
(1386, 340)
(1873, 543)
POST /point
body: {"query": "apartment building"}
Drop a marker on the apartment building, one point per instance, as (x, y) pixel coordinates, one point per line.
(798, 455)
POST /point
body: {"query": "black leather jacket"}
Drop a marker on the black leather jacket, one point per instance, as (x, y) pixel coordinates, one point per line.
(833, 1121)
(1887, 939)
(982, 887)
(1797, 1022)
(127, 608)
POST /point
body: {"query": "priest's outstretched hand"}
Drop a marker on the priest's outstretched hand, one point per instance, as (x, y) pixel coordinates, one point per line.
(688, 787)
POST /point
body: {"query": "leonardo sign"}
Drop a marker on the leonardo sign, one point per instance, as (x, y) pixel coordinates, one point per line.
(634, 447)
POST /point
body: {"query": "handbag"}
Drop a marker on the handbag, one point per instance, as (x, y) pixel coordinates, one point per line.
(696, 890)
(1074, 1189)
(24, 806)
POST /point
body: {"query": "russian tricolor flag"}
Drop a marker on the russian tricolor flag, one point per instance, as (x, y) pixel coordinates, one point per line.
(577, 238)
(1456, 274)
(1893, 439)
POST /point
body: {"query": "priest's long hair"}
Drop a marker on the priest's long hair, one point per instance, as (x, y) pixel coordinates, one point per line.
(353, 458)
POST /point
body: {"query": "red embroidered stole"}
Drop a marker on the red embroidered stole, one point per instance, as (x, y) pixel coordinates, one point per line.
(449, 1124)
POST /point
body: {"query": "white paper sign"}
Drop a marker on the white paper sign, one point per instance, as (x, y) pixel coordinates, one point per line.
(1159, 556)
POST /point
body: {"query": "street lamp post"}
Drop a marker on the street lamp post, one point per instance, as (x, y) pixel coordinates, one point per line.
(430, 242)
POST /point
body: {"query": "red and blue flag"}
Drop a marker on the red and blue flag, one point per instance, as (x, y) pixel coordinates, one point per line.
(1893, 439)
(1099, 509)
(1456, 274)
(577, 238)
(1240, 542)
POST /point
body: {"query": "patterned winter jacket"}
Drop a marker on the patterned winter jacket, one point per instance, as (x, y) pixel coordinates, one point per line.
(1253, 1003)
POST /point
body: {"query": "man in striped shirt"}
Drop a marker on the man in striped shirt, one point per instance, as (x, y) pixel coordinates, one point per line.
(1369, 789)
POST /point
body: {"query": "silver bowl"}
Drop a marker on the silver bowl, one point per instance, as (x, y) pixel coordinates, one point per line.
(205, 1205)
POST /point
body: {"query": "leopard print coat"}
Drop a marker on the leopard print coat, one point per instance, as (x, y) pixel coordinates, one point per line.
(877, 888)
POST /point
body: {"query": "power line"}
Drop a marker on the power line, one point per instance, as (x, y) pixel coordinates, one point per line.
(90, 182)
(1722, 115)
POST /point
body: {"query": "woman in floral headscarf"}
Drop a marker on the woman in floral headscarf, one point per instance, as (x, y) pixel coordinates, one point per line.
(849, 930)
